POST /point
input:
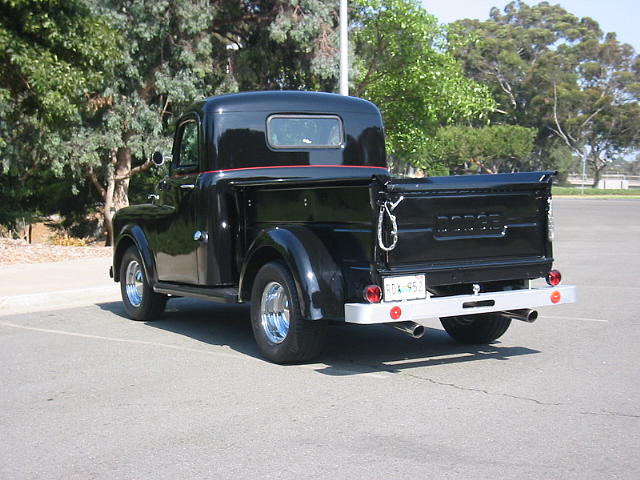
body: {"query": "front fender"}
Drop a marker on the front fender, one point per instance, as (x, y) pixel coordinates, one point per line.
(317, 276)
(132, 233)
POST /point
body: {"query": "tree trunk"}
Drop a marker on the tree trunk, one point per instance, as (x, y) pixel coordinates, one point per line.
(482, 166)
(123, 177)
(597, 173)
(599, 164)
(117, 189)
(108, 210)
(116, 194)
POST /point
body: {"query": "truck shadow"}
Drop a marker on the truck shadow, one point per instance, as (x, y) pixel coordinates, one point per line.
(350, 349)
(208, 322)
(363, 349)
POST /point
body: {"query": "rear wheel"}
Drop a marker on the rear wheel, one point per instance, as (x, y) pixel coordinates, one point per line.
(282, 334)
(140, 301)
(476, 329)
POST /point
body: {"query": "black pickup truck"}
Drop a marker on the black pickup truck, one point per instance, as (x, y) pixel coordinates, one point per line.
(284, 200)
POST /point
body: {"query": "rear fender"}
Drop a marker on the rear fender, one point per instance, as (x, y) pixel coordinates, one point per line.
(317, 276)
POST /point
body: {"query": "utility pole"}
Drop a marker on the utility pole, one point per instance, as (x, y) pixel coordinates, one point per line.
(344, 49)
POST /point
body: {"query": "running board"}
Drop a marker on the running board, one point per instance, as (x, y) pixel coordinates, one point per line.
(220, 294)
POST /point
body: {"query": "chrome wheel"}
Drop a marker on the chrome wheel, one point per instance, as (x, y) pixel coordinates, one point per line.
(134, 283)
(274, 312)
(281, 331)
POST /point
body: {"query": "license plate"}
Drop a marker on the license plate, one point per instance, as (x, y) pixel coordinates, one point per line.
(409, 287)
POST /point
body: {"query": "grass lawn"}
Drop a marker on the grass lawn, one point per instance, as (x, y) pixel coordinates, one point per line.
(595, 192)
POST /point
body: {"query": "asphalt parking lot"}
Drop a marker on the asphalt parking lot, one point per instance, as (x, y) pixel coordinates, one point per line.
(87, 393)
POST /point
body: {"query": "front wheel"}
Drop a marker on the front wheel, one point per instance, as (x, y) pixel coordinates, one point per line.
(140, 301)
(282, 334)
(476, 329)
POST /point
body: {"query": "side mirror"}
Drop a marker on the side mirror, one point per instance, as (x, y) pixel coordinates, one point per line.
(158, 158)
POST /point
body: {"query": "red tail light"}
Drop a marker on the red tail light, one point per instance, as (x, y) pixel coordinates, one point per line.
(373, 294)
(554, 277)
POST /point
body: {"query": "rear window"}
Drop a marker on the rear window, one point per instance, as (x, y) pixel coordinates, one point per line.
(304, 131)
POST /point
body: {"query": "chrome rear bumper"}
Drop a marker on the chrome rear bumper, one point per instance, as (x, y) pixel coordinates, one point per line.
(438, 307)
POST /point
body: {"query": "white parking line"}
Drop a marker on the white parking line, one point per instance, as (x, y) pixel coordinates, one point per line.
(128, 340)
(238, 356)
(575, 318)
(56, 300)
(608, 287)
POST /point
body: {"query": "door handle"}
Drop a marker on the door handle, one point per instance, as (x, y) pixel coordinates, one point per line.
(188, 186)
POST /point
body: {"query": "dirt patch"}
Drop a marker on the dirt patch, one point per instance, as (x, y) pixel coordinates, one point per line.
(20, 251)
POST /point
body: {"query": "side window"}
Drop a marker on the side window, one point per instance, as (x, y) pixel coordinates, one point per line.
(188, 151)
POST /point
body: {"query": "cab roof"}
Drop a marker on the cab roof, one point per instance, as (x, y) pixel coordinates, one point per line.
(285, 101)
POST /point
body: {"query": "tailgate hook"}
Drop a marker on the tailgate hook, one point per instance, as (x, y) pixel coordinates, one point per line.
(393, 205)
(386, 208)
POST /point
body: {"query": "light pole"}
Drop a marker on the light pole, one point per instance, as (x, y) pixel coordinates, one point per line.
(584, 173)
(344, 49)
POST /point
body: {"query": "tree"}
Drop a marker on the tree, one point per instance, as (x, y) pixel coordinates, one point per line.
(490, 149)
(294, 45)
(599, 118)
(132, 65)
(52, 55)
(555, 72)
(179, 51)
(403, 67)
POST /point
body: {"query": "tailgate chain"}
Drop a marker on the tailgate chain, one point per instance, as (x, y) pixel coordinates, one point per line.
(386, 208)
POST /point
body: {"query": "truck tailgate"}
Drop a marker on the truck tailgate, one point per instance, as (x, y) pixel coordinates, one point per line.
(469, 228)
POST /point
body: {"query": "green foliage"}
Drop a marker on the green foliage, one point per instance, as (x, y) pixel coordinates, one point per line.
(297, 48)
(179, 52)
(90, 88)
(627, 167)
(491, 149)
(53, 54)
(402, 66)
(559, 74)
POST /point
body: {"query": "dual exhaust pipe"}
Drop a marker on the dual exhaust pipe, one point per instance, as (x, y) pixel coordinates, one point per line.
(524, 315)
(415, 330)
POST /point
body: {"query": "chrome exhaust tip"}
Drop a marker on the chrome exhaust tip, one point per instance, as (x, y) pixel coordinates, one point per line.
(413, 329)
(524, 315)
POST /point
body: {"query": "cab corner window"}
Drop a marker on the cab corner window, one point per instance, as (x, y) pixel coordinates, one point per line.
(188, 148)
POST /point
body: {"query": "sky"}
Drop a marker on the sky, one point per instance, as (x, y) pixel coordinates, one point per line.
(619, 16)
